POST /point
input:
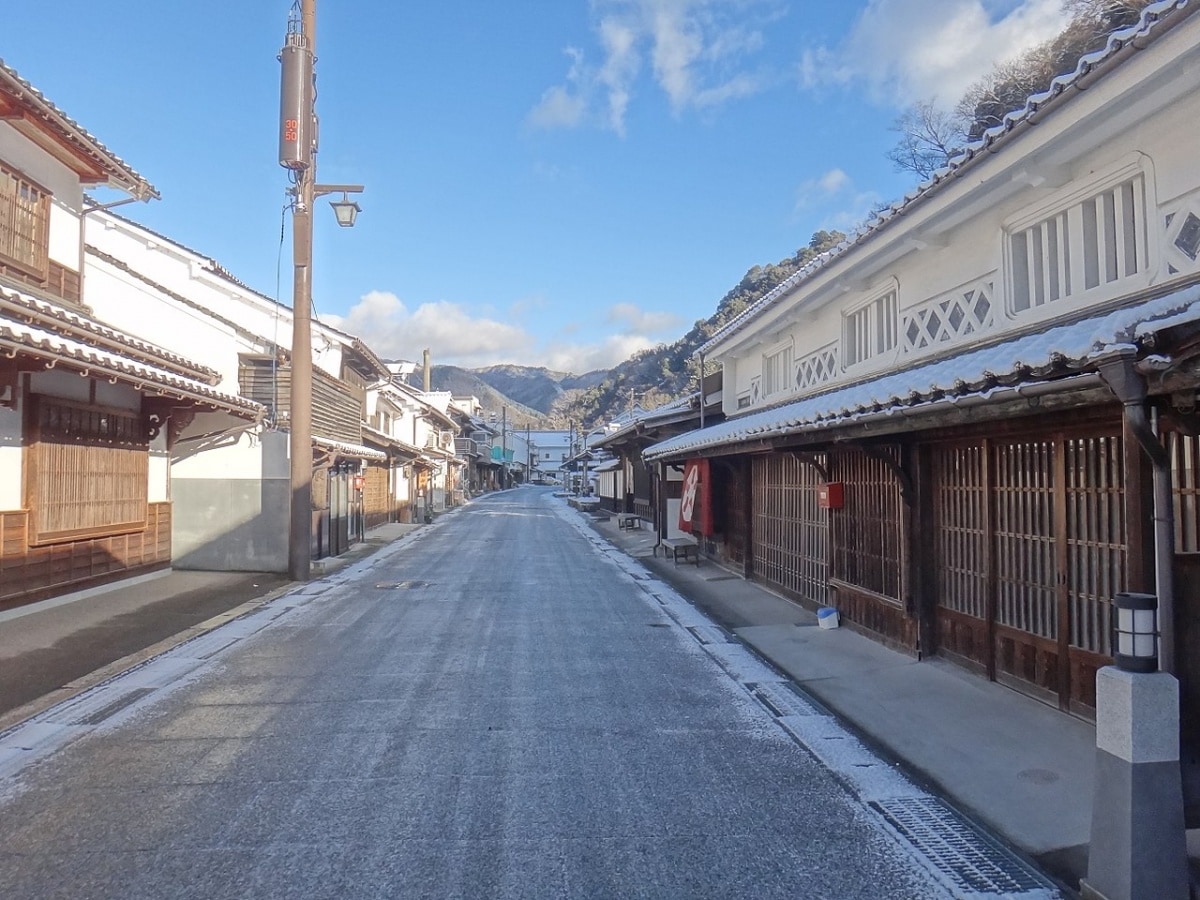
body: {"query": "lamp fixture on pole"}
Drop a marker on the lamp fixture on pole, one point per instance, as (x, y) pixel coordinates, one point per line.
(346, 210)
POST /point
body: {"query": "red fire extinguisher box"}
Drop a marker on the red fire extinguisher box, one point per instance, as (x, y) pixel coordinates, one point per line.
(830, 495)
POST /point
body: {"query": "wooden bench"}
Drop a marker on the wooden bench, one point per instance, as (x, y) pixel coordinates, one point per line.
(680, 546)
(629, 520)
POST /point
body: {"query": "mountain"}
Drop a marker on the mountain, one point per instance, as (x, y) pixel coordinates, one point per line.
(543, 398)
(538, 388)
(529, 394)
(663, 373)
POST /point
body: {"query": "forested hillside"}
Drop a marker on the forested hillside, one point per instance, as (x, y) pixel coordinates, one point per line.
(658, 375)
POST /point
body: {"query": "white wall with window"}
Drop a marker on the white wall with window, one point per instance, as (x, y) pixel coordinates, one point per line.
(37, 193)
(1079, 213)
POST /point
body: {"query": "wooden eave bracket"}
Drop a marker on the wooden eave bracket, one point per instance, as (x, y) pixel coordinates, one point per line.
(810, 459)
(907, 493)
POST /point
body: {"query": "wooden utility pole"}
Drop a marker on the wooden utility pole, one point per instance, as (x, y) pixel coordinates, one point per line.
(298, 153)
(300, 412)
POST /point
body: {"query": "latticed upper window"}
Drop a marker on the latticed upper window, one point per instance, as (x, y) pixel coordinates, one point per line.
(1097, 242)
(24, 223)
(777, 368)
(870, 330)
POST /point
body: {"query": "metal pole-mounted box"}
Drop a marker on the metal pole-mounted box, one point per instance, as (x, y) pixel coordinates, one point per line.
(830, 495)
(296, 104)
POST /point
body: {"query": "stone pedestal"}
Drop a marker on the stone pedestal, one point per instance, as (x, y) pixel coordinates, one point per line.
(1137, 849)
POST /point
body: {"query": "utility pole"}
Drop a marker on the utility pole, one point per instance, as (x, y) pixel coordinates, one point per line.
(298, 153)
(503, 447)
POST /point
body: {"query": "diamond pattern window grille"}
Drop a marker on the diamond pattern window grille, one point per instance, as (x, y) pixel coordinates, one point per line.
(816, 368)
(947, 319)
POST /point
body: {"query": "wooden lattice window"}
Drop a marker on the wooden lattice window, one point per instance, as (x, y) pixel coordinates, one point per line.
(870, 330)
(1026, 571)
(1096, 549)
(1185, 475)
(790, 531)
(960, 506)
(868, 538)
(88, 472)
(24, 224)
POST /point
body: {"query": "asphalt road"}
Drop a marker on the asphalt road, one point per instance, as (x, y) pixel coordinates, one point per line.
(493, 709)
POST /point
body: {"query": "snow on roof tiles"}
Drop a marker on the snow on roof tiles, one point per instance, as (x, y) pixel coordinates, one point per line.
(126, 177)
(72, 320)
(356, 450)
(20, 337)
(1063, 349)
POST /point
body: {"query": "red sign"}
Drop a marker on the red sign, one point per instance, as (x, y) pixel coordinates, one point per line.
(695, 510)
(830, 495)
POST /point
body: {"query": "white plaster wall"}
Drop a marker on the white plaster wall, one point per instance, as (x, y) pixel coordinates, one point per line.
(10, 458)
(159, 475)
(129, 305)
(190, 275)
(238, 454)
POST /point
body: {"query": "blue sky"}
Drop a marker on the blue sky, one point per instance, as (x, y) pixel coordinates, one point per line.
(548, 182)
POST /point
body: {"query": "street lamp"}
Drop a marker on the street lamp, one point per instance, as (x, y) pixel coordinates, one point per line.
(346, 210)
(298, 153)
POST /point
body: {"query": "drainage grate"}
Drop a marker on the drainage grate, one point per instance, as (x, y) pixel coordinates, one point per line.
(709, 634)
(959, 851)
(96, 716)
(782, 700)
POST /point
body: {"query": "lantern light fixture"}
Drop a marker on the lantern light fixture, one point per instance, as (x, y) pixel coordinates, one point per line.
(1135, 632)
(346, 210)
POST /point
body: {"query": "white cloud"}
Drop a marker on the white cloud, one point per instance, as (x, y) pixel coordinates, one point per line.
(604, 354)
(834, 199)
(909, 50)
(454, 334)
(697, 50)
(635, 321)
(562, 106)
(821, 189)
(457, 335)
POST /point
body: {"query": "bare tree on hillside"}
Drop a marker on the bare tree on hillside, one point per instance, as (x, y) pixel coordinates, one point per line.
(929, 136)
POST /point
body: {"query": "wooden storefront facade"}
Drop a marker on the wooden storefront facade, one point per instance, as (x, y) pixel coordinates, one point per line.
(997, 546)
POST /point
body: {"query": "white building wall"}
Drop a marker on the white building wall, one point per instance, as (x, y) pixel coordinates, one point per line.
(944, 252)
(11, 471)
(22, 154)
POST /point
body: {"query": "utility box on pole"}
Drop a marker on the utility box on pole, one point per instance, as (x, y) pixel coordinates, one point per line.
(296, 102)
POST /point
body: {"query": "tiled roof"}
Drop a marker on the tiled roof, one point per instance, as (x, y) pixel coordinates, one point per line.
(29, 340)
(1058, 352)
(667, 411)
(342, 448)
(57, 318)
(1156, 19)
(120, 171)
(388, 440)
